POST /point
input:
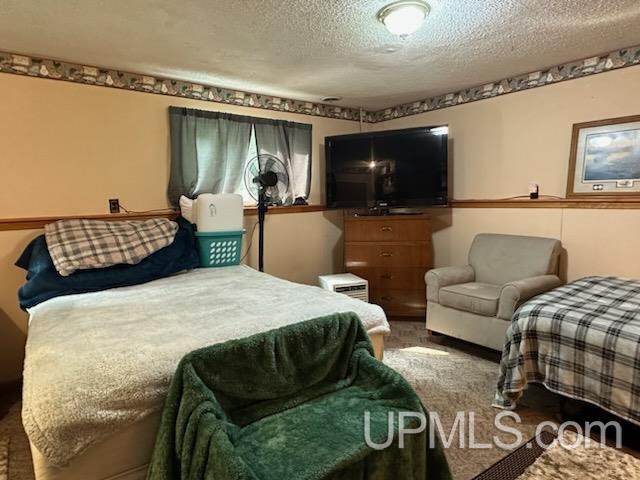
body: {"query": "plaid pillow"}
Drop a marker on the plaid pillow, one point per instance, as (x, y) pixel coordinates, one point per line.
(83, 244)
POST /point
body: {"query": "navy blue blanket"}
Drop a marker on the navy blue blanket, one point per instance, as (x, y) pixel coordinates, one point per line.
(44, 282)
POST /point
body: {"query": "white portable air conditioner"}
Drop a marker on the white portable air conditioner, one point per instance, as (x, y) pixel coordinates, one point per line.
(346, 283)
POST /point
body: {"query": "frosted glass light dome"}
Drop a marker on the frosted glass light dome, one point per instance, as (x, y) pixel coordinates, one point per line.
(405, 17)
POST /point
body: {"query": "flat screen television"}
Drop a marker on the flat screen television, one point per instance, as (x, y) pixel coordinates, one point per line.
(393, 168)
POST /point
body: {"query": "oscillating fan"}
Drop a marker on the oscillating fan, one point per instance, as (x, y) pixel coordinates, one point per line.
(267, 180)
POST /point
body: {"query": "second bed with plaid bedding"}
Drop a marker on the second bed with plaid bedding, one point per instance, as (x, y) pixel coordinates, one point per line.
(581, 340)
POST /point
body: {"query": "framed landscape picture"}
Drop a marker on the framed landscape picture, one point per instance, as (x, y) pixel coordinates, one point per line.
(605, 158)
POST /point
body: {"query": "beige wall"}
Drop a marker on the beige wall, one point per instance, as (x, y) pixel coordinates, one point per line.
(501, 145)
(67, 148)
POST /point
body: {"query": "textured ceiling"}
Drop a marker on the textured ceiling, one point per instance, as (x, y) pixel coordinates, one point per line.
(307, 49)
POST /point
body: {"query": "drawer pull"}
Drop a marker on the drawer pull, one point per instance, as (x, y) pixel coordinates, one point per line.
(386, 276)
(386, 254)
(386, 229)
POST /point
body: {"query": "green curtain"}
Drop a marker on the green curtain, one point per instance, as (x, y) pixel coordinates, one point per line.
(208, 152)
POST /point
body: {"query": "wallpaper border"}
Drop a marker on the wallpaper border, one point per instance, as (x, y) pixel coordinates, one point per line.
(105, 77)
(72, 72)
(617, 59)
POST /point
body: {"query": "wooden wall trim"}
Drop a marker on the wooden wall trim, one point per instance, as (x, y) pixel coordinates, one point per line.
(289, 209)
(591, 203)
(36, 223)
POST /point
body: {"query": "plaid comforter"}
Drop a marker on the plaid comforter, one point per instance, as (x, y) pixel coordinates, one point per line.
(581, 340)
(83, 244)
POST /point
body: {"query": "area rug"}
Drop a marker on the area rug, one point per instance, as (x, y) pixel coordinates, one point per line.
(575, 459)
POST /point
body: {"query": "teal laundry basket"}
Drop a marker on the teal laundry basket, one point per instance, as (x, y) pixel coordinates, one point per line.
(219, 249)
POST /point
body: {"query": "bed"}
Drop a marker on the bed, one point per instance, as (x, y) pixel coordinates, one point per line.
(582, 341)
(98, 365)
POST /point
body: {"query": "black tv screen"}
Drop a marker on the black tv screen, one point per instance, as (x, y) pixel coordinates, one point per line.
(388, 168)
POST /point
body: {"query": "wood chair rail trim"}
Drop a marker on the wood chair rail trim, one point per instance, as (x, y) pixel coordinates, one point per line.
(36, 223)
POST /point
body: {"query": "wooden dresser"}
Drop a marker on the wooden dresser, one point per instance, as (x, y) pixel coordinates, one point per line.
(393, 253)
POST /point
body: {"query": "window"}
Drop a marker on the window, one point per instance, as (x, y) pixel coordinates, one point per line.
(213, 152)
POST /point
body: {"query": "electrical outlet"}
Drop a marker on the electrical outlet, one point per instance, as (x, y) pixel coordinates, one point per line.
(114, 205)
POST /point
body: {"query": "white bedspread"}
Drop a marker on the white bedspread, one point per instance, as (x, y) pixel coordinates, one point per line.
(97, 362)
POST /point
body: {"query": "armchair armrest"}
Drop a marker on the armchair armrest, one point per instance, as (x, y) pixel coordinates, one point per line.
(513, 294)
(441, 277)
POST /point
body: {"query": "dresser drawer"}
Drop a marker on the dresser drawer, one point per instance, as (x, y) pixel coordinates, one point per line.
(400, 302)
(388, 255)
(387, 230)
(391, 277)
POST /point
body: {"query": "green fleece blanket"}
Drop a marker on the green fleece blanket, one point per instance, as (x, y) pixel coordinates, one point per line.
(290, 404)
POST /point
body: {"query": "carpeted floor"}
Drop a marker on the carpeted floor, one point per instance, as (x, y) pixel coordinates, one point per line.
(11, 432)
(4, 458)
(449, 376)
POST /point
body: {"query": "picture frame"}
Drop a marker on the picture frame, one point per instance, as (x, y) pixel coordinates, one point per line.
(605, 159)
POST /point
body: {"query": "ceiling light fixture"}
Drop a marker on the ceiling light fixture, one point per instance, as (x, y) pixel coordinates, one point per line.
(404, 17)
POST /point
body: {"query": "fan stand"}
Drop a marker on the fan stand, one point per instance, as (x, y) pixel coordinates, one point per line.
(263, 181)
(262, 211)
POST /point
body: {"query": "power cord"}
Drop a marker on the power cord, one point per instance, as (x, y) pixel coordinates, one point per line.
(524, 197)
(527, 196)
(162, 210)
(253, 230)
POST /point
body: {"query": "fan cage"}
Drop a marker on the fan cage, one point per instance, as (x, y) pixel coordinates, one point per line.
(219, 249)
(276, 195)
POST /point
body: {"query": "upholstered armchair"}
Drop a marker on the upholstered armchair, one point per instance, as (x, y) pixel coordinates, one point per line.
(475, 302)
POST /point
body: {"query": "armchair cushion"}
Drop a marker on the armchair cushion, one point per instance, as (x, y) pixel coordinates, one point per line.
(500, 259)
(513, 294)
(480, 298)
(438, 278)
